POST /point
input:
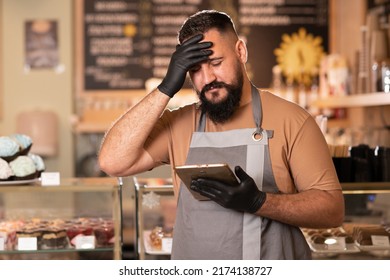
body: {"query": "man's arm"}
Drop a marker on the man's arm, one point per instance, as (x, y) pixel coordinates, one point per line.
(312, 208)
(122, 151)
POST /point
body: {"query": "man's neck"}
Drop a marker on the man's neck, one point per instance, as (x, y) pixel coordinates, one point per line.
(246, 93)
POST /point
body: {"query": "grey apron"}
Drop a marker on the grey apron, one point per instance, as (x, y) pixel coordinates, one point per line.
(206, 230)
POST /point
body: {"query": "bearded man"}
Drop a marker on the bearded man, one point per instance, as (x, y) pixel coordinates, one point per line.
(286, 178)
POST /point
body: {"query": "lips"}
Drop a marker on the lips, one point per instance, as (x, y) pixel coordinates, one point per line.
(213, 87)
(213, 90)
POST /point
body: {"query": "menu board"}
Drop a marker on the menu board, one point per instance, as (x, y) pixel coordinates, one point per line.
(126, 42)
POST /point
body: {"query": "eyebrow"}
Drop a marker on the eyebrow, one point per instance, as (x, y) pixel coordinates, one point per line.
(215, 58)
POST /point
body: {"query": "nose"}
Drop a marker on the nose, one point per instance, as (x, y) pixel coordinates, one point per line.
(207, 73)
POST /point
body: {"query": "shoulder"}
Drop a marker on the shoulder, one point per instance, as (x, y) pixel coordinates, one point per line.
(269, 99)
(180, 117)
(182, 111)
(278, 111)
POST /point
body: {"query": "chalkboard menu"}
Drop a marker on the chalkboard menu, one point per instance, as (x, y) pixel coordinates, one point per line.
(127, 42)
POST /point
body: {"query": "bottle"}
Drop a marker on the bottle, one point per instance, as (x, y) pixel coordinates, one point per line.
(376, 77)
(302, 100)
(277, 81)
(290, 90)
(313, 95)
(386, 75)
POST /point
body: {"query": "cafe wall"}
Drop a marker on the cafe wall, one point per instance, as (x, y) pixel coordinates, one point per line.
(54, 89)
(43, 89)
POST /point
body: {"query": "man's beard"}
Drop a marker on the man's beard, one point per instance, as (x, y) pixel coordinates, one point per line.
(220, 112)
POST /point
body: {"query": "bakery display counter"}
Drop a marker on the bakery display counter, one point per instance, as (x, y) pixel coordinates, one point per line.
(350, 241)
(365, 234)
(80, 218)
(155, 216)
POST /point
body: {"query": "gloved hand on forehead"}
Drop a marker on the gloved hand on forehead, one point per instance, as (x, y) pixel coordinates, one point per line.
(186, 56)
(245, 196)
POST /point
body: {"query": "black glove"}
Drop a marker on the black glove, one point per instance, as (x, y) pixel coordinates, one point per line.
(187, 55)
(244, 196)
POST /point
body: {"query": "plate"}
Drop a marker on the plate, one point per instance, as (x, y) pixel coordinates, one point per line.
(19, 182)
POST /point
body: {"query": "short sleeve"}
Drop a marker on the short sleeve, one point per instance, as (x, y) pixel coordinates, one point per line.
(310, 161)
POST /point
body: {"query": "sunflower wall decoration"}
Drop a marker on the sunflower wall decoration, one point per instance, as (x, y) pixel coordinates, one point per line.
(299, 56)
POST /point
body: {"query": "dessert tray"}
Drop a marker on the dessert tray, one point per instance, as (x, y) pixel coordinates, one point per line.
(372, 247)
(19, 182)
(378, 251)
(334, 241)
(380, 240)
(326, 249)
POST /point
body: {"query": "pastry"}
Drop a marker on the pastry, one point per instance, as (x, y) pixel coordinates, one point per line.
(156, 236)
(23, 168)
(340, 234)
(104, 234)
(318, 239)
(311, 232)
(362, 235)
(6, 173)
(54, 238)
(349, 239)
(39, 163)
(326, 234)
(8, 235)
(23, 141)
(9, 149)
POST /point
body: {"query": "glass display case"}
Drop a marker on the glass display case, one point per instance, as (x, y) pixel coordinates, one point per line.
(365, 233)
(155, 216)
(367, 215)
(78, 219)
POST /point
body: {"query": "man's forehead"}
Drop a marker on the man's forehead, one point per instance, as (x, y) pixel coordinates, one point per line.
(212, 34)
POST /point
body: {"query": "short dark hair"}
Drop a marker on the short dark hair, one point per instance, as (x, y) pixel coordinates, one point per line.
(203, 21)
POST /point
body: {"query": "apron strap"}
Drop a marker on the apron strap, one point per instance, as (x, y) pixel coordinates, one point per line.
(202, 123)
(256, 108)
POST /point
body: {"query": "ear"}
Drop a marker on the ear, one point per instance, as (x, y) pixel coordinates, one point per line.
(242, 51)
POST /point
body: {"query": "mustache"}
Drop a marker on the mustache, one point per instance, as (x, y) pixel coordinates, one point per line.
(212, 86)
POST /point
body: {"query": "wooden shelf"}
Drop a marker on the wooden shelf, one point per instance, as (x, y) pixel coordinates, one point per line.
(366, 187)
(103, 119)
(357, 100)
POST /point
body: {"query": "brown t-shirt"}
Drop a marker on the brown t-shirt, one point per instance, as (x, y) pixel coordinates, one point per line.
(299, 153)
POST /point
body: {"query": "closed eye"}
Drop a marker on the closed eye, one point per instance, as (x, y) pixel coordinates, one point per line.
(194, 69)
(215, 62)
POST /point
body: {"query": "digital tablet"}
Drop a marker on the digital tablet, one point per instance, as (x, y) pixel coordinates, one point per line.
(217, 171)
